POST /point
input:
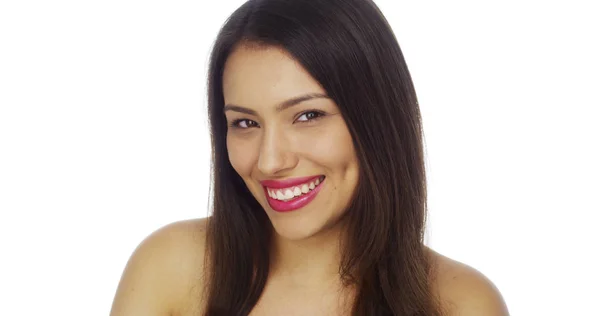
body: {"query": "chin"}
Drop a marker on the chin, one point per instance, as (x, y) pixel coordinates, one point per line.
(303, 226)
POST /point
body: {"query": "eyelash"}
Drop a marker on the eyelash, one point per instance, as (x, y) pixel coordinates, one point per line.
(319, 114)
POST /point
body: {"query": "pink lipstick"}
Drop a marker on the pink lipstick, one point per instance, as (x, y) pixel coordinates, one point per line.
(291, 194)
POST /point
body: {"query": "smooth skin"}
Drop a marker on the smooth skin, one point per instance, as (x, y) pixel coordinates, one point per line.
(164, 278)
(270, 138)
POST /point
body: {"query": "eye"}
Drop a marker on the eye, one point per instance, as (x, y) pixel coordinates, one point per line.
(309, 116)
(243, 123)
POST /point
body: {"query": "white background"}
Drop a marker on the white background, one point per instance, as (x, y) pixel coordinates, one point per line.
(103, 139)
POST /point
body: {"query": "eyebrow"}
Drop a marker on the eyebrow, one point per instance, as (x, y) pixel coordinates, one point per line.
(280, 107)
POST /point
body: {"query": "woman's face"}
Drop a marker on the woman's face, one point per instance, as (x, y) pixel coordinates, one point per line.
(296, 157)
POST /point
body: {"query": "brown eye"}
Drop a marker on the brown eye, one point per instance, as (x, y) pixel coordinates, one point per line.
(309, 116)
(244, 123)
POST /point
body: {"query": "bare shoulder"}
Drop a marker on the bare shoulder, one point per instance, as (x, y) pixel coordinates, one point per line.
(165, 272)
(466, 291)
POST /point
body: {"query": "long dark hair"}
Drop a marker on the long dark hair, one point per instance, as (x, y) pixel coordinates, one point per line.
(350, 49)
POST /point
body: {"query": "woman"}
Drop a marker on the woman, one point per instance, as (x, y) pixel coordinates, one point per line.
(319, 196)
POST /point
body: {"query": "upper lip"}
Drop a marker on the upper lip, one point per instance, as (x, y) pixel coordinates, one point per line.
(286, 183)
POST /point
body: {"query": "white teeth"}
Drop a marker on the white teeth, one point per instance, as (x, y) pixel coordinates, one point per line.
(280, 195)
(304, 188)
(289, 194)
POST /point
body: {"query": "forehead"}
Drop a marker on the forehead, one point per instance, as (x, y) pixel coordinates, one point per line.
(257, 77)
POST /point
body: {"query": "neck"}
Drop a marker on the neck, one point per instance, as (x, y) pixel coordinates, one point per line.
(307, 262)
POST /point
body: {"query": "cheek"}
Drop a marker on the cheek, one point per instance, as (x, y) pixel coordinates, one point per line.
(330, 146)
(241, 155)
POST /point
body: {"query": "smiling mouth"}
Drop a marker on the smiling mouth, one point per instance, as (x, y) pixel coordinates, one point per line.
(293, 197)
(294, 192)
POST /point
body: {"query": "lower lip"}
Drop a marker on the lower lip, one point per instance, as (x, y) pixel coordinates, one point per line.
(292, 205)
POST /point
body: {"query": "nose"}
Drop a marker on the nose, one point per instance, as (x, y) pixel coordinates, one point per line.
(275, 156)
